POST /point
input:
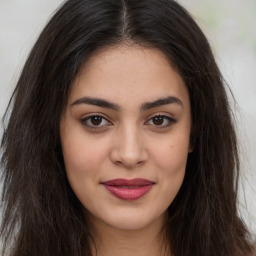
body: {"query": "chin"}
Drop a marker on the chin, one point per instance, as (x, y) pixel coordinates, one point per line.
(132, 220)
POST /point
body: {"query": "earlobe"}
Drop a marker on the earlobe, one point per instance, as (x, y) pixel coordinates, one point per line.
(190, 148)
(191, 143)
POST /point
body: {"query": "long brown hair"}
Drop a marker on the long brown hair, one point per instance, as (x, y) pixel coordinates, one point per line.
(41, 214)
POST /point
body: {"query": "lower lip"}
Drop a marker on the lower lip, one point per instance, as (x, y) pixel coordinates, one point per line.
(132, 193)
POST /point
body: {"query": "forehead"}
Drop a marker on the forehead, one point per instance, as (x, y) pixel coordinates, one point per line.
(134, 72)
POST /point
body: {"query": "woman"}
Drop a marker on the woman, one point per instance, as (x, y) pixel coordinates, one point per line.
(120, 139)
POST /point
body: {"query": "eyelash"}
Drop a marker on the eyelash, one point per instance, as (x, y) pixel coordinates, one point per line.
(87, 119)
(165, 118)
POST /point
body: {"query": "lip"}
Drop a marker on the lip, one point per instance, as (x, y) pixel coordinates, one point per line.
(132, 189)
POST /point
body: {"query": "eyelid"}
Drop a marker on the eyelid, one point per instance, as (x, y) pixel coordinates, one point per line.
(171, 120)
(87, 117)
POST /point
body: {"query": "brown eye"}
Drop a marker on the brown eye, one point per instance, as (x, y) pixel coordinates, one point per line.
(158, 120)
(96, 120)
(161, 121)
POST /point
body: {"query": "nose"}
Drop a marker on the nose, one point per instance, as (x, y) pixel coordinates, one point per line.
(128, 149)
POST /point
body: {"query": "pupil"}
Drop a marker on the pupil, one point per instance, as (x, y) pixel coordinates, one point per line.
(158, 120)
(96, 120)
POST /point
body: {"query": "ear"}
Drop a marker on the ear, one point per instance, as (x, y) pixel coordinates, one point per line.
(191, 142)
(190, 147)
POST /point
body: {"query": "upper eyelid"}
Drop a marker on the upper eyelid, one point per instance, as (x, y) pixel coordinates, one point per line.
(87, 116)
(167, 115)
(171, 119)
(83, 120)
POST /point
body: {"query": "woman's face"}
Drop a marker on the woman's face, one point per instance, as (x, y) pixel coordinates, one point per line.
(125, 136)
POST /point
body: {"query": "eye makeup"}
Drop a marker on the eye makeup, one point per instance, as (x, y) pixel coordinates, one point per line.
(98, 121)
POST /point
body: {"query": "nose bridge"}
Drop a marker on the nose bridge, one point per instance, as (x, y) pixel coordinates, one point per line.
(129, 149)
(130, 140)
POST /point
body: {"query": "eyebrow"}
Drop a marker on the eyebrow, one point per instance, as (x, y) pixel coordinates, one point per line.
(161, 102)
(97, 102)
(145, 106)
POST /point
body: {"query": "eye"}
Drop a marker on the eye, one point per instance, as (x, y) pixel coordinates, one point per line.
(161, 121)
(95, 122)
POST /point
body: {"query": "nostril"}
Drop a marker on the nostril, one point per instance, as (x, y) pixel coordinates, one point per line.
(140, 162)
(128, 152)
(128, 164)
(119, 163)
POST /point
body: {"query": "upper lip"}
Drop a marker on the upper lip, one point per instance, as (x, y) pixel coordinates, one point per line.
(128, 182)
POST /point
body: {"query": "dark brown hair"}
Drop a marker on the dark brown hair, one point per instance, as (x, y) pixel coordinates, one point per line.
(41, 214)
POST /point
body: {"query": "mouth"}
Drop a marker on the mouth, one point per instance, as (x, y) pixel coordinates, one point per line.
(128, 189)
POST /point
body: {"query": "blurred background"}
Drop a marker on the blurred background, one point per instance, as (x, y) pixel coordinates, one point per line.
(230, 26)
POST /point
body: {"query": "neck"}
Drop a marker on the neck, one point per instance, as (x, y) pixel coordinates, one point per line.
(148, 241)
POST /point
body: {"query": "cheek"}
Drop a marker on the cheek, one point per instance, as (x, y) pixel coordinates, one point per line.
(81, 154)
(171, 155)
(83, 163)
(171, 160)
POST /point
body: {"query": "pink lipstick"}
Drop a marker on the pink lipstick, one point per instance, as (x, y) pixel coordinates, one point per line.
(128, 189)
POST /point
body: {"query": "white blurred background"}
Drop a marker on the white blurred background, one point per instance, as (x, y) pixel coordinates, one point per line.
(230, 26)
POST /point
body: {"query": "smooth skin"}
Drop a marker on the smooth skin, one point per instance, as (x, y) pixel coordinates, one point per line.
(128, 116)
